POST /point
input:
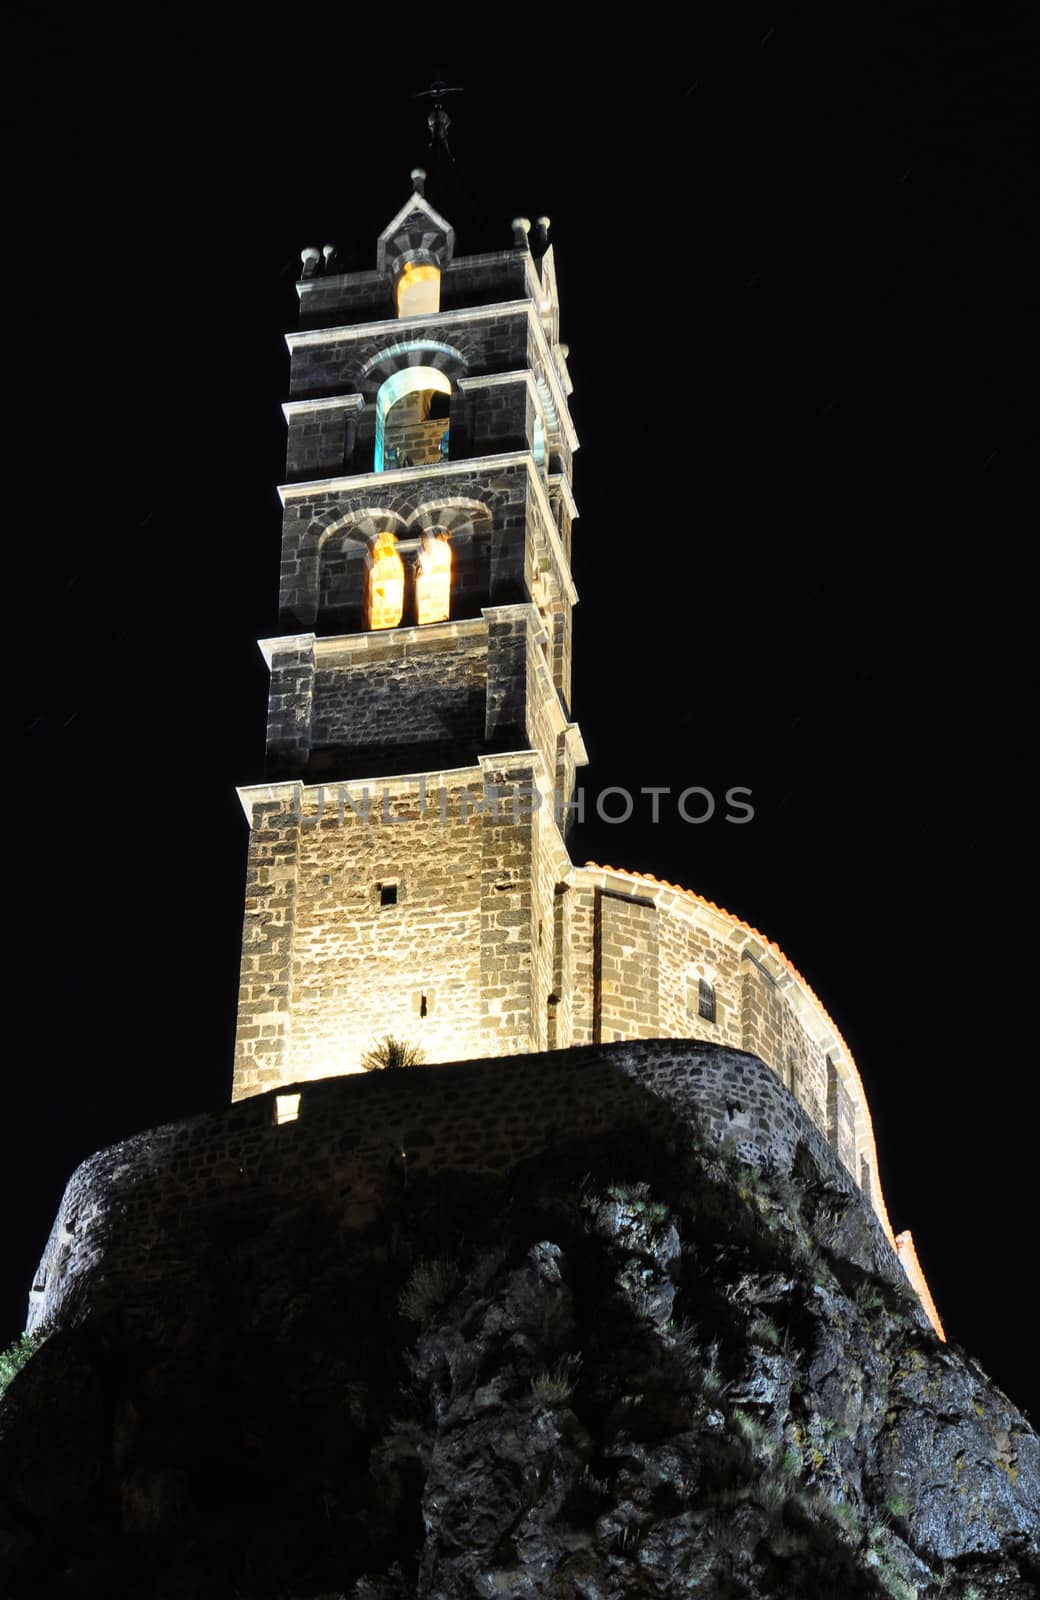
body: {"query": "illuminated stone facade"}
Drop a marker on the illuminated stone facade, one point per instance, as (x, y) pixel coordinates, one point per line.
(408, 870)
(407, 858)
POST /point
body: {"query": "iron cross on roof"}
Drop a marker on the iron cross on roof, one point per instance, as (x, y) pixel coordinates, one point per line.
(438, 120)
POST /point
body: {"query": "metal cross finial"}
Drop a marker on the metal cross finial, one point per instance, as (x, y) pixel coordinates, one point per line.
(438, 120)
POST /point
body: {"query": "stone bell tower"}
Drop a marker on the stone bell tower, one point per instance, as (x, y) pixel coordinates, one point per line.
(407, 848)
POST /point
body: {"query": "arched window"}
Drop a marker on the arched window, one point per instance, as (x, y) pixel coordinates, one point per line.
(418, 289)
(384, 584)
(406, 433)
(433, 579)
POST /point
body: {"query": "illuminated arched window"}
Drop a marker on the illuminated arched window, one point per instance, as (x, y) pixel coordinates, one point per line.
(384, 584)
(433, 580)
(407, 435)
(418, 290)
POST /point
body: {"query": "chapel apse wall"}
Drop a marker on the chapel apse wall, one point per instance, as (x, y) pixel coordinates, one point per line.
(651, 960)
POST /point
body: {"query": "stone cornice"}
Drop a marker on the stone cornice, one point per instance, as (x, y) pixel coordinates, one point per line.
(401, 475)
(490, 380)
(579, 754)
(360, 643)
(294, 791)
(358, 332)
(348, 402)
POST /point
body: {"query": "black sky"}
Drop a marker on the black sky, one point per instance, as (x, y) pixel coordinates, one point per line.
(795, 257)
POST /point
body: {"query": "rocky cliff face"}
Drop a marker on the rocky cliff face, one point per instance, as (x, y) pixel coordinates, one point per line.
(633, 1368)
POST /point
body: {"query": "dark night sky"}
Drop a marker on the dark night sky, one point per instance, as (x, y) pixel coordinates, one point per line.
(794, 260)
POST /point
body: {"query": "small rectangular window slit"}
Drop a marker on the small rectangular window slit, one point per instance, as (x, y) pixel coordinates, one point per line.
(286, 1108)
(388, 894)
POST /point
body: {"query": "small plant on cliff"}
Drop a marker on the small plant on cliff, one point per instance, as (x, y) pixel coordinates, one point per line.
(773, 1490)
(868, 1298)
(427, 1289)
(891, 1580)
(13, 1359)
(390, 1053)
(833, 1430)
(556, 1387)
(765, 1331)
(636, 1197)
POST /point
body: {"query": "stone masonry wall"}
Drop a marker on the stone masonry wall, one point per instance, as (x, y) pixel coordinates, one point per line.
(350, 704)
(550, 863)
(583, 946)
(429, 686)
(627, 968)
(509, 840)
(363, 968)
(421, 909)
(115, 1240)
(841, 1120)
(265, 983)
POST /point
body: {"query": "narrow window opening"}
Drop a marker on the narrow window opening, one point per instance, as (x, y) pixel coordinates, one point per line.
(388, 894)
(384, 587)
(286, 1108)
(423, 1007)
(706, 1000)
(419, 290)
(433, 580)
